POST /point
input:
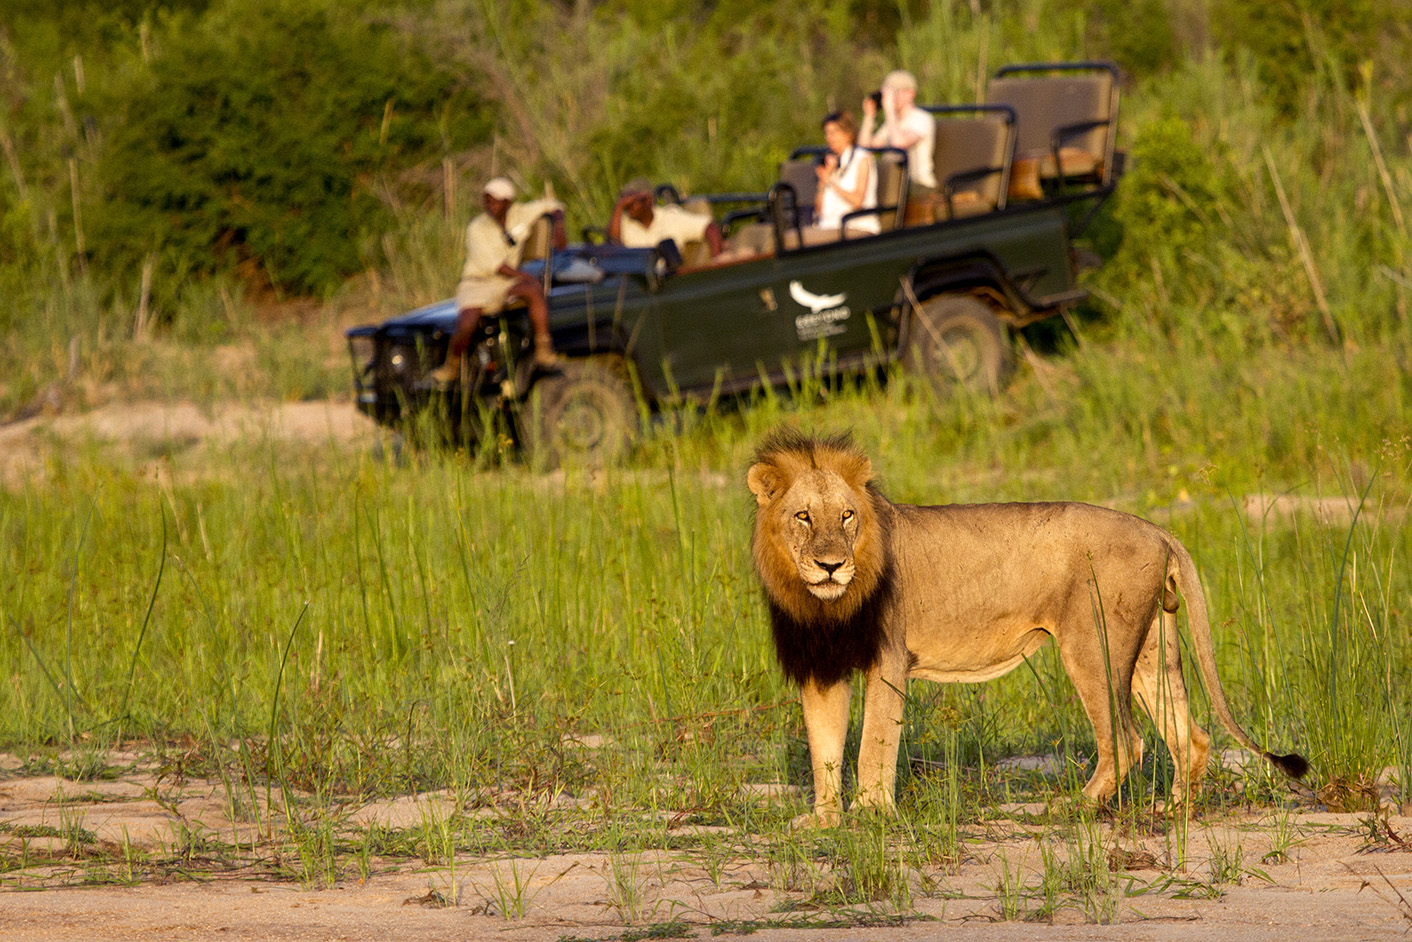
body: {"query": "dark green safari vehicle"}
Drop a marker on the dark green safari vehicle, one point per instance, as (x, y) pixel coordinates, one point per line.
(938, 289)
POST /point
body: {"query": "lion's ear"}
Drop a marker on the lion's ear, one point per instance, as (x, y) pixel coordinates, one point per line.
(766, 481)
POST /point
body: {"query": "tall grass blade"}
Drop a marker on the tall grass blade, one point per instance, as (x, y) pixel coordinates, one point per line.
(276, 753)
(146, 622)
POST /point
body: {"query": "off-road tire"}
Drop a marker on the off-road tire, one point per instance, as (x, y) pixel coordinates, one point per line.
(583, 415)
(957, 342)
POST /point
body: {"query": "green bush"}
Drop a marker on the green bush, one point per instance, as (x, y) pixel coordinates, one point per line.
(1170, 187)
(270, 137)
(19, 255)
(1137, 34)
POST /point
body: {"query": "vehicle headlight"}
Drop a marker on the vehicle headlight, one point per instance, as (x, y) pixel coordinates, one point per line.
(404, 362)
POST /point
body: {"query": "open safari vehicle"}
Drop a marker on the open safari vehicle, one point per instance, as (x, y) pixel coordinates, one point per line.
(938, 288)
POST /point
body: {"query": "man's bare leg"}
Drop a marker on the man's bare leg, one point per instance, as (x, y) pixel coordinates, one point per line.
(467, 320)
(529, 291)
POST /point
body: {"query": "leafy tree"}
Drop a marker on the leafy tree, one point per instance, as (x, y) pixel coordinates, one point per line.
(269, 135)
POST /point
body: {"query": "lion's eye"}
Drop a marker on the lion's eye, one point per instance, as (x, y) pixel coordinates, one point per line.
(802, 516)
(847, 515)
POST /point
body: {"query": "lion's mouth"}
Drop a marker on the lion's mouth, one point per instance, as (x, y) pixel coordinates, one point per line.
(829, 589)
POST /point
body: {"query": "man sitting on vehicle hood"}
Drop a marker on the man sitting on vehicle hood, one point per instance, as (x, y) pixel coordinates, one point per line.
(640, 224)
(491, 278)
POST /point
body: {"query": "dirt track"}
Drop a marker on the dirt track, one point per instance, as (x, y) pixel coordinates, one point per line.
(380, 909)
(147, 430)
(1338, 882)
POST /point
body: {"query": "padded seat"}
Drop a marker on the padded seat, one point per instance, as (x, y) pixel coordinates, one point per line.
(892, 186)
(537, 243)
(975, 147)
(758, 238)
(1066, 117)
(799, 173)
(814, 236)
(752, 239)
(696, 252)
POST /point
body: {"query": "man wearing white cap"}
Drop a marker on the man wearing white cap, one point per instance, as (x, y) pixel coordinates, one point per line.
(905, 126)
(491, 278)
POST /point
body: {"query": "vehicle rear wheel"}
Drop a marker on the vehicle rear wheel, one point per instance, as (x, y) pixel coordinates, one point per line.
(956, 341)
(585, 415)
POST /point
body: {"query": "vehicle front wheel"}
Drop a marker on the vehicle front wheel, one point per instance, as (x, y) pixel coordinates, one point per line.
(584, 415)
(956, 341)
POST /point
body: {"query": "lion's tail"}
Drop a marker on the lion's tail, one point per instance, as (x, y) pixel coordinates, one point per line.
(1181, 573)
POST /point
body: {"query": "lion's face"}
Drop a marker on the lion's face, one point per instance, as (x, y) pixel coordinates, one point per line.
(816, 532)
(818, 522)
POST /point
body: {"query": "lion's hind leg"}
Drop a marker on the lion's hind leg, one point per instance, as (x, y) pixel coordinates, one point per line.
(1160, 691)
(1103, 678)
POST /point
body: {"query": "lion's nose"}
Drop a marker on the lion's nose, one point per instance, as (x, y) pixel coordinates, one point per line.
(829, 568)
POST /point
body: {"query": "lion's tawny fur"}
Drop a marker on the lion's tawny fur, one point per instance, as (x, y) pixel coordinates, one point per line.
(967, 593)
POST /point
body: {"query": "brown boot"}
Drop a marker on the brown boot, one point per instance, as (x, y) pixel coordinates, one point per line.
(544, 356)
(448, 373)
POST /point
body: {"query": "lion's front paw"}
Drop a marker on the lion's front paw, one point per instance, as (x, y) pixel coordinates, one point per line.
(815, 819)
(875, 802)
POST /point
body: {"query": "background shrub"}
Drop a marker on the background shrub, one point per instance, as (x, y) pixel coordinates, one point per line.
(270, 136)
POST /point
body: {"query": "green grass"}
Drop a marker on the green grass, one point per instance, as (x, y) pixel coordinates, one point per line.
(345, 627)
(376, 628)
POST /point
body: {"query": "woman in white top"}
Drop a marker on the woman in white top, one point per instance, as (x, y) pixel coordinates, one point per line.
(848, 180)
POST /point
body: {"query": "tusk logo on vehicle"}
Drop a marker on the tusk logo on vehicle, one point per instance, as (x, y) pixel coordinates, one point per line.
(826, 313)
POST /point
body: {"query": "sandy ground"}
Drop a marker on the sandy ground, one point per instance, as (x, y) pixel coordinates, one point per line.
(144, 431)
(1339, 881)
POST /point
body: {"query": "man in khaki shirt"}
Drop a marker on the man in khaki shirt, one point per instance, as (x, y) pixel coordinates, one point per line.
(491, 277)
(640, 224)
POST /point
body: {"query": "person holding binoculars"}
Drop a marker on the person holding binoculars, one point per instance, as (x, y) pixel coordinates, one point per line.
(904, 126)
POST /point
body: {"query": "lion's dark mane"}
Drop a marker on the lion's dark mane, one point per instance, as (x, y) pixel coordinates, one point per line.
(829, 653)
(828, 648)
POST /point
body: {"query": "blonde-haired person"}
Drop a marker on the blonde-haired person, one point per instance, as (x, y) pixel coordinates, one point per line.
(904, 126)
(491, 278)
(848, 182)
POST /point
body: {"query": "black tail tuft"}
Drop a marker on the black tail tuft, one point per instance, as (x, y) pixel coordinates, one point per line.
(1294, 765)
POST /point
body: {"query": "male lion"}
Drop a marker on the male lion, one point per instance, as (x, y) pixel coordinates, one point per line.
(966, 593)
